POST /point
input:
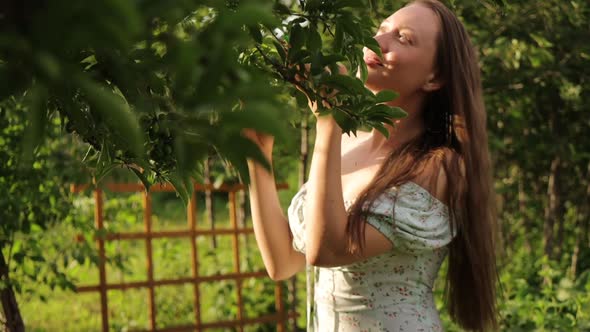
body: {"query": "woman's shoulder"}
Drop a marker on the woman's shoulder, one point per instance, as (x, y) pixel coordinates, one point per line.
(438, 170)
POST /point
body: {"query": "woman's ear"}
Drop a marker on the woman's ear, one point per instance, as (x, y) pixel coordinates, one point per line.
(433, 83)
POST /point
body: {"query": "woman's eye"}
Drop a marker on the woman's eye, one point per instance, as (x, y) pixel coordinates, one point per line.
(402, 38)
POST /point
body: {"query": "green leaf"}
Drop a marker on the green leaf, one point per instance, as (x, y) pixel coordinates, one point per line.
(344, 83)
(116, 113)
(299, 20)
(314, 40)
(297, 37)
(179, 182)
(364, 71)
(37, 118)
(128, 15)
(317, 66)
(332, 58)
(349, 3)
(385, 95)
(382, 130)
(280, 8)
(311, 5)
(301, 98)
(255, 33)
(250, 14)
(373, 45)
(37, 258)
(390, 112)
(237, 149)
(18, 257)
(104, 170)
(142, 178)
(260, 116)
(347, 22)
(189, 150)
(344, 120)
(298, 55)
(540, 40)
(397, 113)
(280, 50)
(338, 39)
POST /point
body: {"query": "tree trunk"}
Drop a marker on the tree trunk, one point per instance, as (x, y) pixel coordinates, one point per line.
(558, 248)
(551, 208)
(583, 226)
(209, 207)
(14, 321)
(581, 230)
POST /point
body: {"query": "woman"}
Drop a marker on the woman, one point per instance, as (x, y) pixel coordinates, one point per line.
(378, 216)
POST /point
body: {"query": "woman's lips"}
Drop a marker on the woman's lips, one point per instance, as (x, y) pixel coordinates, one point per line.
(373, 61)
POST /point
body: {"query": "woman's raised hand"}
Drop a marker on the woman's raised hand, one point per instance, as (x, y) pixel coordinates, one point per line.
(313, 105)
(265, 141)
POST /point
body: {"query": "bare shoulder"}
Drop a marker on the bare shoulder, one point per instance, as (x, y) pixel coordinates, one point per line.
(434, 176)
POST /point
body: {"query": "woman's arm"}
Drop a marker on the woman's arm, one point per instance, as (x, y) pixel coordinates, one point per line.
(271, 228)
(325, 213)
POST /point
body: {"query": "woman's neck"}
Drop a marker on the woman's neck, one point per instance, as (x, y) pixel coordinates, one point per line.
(404, 129)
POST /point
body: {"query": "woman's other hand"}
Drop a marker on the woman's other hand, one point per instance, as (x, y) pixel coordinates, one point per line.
(264, 141)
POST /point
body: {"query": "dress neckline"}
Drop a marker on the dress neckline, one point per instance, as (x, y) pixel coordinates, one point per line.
(348, 203)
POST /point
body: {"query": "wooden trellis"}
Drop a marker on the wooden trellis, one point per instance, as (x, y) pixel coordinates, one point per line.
(281, 317)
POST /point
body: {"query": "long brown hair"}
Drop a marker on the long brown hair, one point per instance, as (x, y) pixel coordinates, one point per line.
(456, 140)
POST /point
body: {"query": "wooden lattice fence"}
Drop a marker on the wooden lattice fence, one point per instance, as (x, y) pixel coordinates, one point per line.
(282, 315)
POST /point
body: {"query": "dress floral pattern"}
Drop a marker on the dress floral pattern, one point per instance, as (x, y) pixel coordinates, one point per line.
(389, 292)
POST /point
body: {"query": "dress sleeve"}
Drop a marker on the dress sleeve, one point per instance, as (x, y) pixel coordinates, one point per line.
(411, 218)
(296, 222)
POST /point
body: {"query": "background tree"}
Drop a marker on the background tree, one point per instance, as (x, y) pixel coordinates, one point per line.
(34, 199)
(535, 74)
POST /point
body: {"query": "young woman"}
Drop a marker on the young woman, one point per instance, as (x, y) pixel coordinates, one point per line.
(378, 216)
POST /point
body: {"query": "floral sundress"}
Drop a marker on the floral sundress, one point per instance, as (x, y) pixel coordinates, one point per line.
(390, 292)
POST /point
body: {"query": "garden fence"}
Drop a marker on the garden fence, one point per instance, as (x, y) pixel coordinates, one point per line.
(282, 315)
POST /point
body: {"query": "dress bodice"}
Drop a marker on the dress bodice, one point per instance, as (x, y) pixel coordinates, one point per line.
(377, 292)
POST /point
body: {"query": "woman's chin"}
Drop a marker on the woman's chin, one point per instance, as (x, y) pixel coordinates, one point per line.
(377, 80)
(374, 84)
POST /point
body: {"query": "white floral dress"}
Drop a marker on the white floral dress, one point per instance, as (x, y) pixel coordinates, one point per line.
(389, 292)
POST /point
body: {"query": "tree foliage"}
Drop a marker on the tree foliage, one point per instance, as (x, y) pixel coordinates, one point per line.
(152, 86)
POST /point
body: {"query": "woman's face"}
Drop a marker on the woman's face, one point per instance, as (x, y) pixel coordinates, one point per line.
(408, 41)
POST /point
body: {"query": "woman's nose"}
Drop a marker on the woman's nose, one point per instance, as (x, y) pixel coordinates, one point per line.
(380, 38)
